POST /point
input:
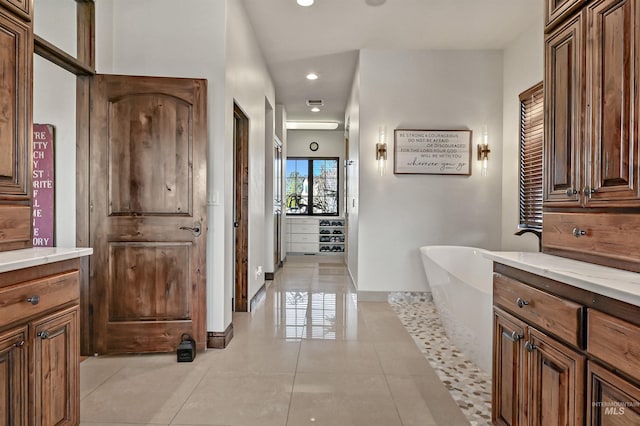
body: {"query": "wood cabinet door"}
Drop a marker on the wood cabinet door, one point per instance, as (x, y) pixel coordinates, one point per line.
(56, 366)
(555, 382)
(564, 77)
(612, 75)
(22, 7)
(16, 54)
(13, 378)
(556, 10)
(507, 385)
(148, 212)
(611, 400)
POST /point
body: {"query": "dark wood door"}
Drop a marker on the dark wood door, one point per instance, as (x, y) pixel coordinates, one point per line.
(148, 212)
(612, 70)
(555, 382)
(241, 209)
(16, 53)
(13, 378)
(56, 369)
(611, 400)
(563, 86)
(507, 385)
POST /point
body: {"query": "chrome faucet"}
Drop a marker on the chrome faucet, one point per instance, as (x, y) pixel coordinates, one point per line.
(533, 231)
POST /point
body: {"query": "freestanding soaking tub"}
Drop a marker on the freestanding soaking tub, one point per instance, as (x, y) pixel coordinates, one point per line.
(460, 279)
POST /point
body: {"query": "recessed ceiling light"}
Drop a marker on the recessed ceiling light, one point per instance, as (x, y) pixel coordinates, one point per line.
(374, 2)
(315, 109)
(312, 76)
(305, 2)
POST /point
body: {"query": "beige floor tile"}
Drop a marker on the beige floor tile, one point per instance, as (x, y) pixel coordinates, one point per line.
(338, 357)
(402, 358)
(122, 424)
(423, 401)
(243, 399)
(141, 395)
(94, 373)
(276, 357)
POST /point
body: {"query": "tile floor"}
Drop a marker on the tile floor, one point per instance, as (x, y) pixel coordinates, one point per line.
(310, 354)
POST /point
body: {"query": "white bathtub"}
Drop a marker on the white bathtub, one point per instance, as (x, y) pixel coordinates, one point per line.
(460, 279)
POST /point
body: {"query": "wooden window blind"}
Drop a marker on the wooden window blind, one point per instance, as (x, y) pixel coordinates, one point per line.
(531, 142)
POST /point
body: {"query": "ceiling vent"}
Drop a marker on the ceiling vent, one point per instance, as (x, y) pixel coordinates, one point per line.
(315, 102)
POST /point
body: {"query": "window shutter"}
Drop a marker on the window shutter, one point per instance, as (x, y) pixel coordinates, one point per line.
(531, 142)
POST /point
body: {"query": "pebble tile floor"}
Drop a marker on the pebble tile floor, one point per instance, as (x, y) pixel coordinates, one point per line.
(309, 354)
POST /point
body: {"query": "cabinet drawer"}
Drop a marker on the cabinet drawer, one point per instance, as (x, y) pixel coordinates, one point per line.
(553, 314)
(614, 341)
(45, 294)
(304, 247)
(303, 238)
(612, 236)
(303, 221)
(21, 7)
(611, 400)
(297, 228)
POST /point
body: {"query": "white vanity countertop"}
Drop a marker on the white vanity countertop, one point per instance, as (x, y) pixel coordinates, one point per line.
(611, 282)
(26, 258)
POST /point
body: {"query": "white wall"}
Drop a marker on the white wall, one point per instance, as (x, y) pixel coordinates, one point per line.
(55, 21)
(400, 213)
(523, 68)
(352, 130)
(249, 85)
(54, 102)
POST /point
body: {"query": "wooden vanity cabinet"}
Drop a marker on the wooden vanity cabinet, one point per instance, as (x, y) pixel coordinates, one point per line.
(16, 51)
(611, 400)
(39, 346)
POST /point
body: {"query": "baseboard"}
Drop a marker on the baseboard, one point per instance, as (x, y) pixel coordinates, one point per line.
(260, 294)
(219, 340)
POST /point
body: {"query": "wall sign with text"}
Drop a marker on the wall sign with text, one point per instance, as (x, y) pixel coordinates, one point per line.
(43, 188)
(434, 152)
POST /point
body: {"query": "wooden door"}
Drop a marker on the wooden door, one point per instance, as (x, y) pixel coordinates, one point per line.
(564, 66)
(16, 53)
(556, 10)
(13, 378)
(555, 382)
(148, 212)
(611, 400)
(56, 367)
(612, 69)
(507, 385)
(241, 209)
(22, 7)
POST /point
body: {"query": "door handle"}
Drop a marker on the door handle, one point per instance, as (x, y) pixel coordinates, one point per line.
(236, 224)
(196, 229)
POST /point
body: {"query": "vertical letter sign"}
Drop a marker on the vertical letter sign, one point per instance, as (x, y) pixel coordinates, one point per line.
(43, 190)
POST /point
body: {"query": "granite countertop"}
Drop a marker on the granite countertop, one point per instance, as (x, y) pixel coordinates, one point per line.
(615, 283)
(26, 258)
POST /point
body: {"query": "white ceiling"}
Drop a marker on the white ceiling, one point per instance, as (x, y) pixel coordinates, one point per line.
(324, 38)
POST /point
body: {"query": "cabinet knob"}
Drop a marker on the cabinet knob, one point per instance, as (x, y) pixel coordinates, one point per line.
(530, 347)
(521, 302)
(514, 336)
(577, 232)
(43, 334)
(34, 300)
(19, 344)
(587, 191)
(571, 192)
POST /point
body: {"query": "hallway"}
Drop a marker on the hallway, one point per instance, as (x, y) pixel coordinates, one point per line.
(310, 353)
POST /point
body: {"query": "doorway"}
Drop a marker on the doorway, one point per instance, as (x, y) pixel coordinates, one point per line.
(241, 208)
(277, 203)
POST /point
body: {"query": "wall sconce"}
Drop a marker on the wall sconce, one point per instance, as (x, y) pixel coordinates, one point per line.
(381, 150)
(483, 151)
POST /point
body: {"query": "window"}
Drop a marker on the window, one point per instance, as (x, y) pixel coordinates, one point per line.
(312, 186)
(531, 141)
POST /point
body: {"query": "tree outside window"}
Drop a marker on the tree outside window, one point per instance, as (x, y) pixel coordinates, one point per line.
(312, 186)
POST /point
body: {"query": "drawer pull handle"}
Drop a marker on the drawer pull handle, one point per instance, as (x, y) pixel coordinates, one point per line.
(34, 300)
(521, 302)
(20, 343)
(43, 334)
(530, 347)
(577, 232)
(514, 336)
(571, 192)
